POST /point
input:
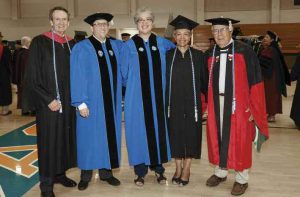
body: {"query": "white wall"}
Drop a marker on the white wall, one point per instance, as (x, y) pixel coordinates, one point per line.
(30, 17)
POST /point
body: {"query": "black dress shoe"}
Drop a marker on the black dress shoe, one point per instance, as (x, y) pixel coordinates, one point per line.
(47, 194)
(82, 185)
(161, 179)
(7, 113)
(65, 181)
(112, 181)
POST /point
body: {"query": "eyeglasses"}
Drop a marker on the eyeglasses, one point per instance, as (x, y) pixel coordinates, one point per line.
(142, 20)
(219, 31)
(100, 24)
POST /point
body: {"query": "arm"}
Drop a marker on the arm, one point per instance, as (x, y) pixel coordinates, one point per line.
(124, 58)
(37, 93)
(79, 94)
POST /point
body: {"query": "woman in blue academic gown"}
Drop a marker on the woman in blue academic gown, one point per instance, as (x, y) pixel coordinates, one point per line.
(143, 70)
(96, 92)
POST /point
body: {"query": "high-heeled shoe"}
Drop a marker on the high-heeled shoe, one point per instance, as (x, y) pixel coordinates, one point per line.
(183, 182)
(175, 180)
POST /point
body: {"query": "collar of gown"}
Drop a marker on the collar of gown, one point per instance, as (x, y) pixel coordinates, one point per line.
(57, 37)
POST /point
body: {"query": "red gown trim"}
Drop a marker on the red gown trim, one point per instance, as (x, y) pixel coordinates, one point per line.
(57, 37)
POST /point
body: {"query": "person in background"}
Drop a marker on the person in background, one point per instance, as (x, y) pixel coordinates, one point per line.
(46, 90)
(295, 76)
(5, 81)
(143, 68)
(96, 93)
(236, 106)
(20, 66)
(125, 36)
(275, 74)
(80, 35)
(186, 79)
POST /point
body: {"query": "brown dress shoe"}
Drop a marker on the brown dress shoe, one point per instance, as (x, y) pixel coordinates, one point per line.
(239, 189)
(214, 181)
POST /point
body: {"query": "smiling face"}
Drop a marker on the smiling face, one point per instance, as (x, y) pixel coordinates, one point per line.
(59, 21)
(144, 23)
(100, 29)
(182, 37)
(221, 34)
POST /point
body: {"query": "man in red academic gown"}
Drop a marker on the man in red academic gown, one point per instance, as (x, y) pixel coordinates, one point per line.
(236, 106)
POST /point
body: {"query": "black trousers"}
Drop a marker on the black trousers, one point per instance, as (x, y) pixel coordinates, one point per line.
(46, 183)
(86, 175)
(142, 169)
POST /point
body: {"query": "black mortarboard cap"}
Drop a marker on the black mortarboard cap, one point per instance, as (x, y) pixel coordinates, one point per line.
(125, 34)
(221, 21)
(80, 33)
(181, 22)
(92, 18)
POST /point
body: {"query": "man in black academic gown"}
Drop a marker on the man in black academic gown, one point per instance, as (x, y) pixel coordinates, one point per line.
(47, 90)
(5, 87)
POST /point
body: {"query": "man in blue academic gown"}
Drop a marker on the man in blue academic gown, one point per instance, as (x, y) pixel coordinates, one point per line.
(96, 92)
(143, 68)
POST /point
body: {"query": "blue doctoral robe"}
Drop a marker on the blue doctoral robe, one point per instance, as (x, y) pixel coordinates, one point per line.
(86, 87)
(135, 122)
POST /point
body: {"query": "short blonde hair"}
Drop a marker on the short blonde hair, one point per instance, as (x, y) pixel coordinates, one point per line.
(142, 10)
(25, 41)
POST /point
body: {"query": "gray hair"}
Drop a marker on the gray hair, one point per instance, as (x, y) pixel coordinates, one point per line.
(142, 10)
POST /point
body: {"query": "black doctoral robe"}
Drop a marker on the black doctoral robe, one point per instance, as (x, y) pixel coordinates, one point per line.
(20, 65)
(5, 86)
(56, 139)
(295, 110)
(184, 132)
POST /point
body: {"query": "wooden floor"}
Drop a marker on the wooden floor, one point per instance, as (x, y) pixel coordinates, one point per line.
(275, 171)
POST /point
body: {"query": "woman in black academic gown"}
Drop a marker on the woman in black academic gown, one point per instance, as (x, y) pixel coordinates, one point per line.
(186, 80)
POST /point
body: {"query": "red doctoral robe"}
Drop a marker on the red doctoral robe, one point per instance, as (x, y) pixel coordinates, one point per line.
(234, 150)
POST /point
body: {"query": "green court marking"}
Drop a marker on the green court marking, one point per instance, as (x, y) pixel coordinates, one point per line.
(13, 184)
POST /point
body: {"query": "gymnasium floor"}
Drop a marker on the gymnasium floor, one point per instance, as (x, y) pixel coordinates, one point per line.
(275, 171)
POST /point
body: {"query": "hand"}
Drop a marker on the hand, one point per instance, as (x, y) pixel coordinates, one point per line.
(251, 117)
(55, 105)
(84, 112)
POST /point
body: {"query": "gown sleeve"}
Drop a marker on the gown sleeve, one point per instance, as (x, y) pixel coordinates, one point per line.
(36, 94)
(124, 57)
(79, 90)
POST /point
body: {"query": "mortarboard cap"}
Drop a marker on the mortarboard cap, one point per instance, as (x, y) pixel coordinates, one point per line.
(221, 21)
(80, 33)
(125, 34)
(181, 22)
(97, 16)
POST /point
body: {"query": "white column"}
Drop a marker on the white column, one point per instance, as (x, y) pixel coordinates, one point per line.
(15, 9)
(275, 11)
(71, 8)
(118, 33)
(133, 7)
(199, 11)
